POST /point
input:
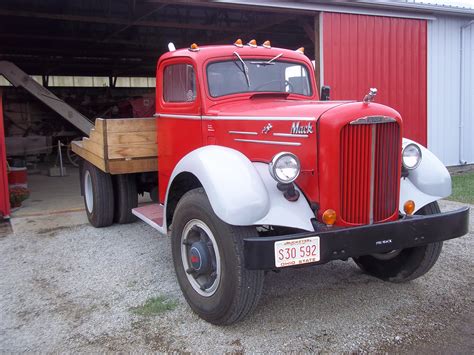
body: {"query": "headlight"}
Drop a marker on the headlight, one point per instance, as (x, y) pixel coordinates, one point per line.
(285, 167)
(411, 156)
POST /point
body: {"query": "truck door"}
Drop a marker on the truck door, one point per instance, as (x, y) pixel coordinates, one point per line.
(179, 116)
(4, 195)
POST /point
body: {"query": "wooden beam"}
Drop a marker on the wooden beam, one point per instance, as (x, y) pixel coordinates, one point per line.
(309, 29)
(317, 53)
(133, 166)
(115, 21)
(135, 22)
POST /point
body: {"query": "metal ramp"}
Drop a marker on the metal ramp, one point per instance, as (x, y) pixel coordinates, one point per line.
(19, 78)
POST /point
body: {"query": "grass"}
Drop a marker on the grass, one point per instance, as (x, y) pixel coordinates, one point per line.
(154, 306)
(463, 188)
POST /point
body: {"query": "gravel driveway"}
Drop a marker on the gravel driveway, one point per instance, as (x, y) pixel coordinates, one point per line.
(67, 286)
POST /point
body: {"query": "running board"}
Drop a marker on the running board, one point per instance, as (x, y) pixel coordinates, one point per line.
(152, 215)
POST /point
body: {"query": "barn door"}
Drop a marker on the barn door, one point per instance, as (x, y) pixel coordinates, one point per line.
(360, 52)
(4, 196)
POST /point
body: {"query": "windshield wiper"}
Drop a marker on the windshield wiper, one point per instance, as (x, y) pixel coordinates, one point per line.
(245, 68)
(269, 62)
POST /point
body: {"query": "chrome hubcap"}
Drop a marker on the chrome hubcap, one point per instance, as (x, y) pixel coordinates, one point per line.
(88, 192)
(200, 257)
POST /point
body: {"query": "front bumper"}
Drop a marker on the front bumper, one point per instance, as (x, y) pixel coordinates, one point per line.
(341, 243)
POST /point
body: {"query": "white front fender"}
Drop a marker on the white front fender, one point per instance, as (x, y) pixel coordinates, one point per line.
(429, 182)
(241, 192)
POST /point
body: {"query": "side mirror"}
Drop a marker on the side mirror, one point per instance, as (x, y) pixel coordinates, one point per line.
(325, 93)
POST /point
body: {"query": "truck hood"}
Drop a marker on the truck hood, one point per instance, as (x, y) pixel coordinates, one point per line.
(259, 107)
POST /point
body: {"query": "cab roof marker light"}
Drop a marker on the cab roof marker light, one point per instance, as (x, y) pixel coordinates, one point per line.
(194, 48)
(267, 44)
(253, 43)
(238, 43)
(300, 50)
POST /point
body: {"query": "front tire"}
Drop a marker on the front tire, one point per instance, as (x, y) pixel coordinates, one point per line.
(209, 262)
(406, 264)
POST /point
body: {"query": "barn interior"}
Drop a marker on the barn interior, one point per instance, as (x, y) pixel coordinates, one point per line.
(100, 57)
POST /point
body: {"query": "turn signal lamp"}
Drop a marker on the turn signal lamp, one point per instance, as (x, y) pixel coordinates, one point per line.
(300, 50)
(238, 43)
(267, 44)
(409, 207)
(194, 47)
(329, 217)
(253, 43)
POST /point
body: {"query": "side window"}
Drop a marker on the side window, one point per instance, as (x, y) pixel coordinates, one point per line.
(298, 80)
(179, 83)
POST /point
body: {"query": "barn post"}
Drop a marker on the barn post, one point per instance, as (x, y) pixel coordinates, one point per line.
(4, 195)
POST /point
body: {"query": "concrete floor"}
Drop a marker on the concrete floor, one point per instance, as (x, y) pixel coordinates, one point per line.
(52, 194)
(55, 195)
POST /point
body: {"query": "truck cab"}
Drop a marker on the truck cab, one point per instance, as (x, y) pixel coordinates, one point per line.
(256, 173)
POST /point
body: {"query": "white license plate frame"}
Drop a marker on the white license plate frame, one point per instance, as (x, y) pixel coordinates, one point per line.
(292, 252)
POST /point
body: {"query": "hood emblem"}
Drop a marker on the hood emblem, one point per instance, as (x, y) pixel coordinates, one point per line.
(268, 127)
(370, 96)
(373, 120)
(297, 128)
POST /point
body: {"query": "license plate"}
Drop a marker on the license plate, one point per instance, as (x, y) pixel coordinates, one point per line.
(297, 251)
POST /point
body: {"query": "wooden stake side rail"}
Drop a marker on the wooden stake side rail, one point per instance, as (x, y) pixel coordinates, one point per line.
(120, 146)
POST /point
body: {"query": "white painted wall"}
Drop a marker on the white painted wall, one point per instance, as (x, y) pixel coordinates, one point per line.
(467, 94)
(445, 96)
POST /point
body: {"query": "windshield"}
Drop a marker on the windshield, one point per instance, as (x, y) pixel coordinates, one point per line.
(257, 75)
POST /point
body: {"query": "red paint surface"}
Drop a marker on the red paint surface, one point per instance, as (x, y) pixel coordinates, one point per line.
(332, 167)
(209, 120)
(388, 53)
(4, 196)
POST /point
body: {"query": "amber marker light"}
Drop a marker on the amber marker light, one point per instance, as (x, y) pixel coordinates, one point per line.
(238, 43)
(300, 50)
(267, 44)
(253, 43)
(409, 207)
(194, 47)
(329, 217)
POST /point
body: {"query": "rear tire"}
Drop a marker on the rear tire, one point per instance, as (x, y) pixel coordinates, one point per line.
(226, 291)
(407, 264)
(126, 198)
(98, 195)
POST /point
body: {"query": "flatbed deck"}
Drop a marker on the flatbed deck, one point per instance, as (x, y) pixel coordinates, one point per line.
(120, 146)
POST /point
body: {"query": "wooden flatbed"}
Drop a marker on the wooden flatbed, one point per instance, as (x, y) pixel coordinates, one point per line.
(120, 146)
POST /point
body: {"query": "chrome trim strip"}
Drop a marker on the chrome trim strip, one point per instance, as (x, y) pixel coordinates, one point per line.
(290, 135)
(259, 118)
(267, 142)
(242, 132)
(181, 117)
(372, 174)
(373, 120)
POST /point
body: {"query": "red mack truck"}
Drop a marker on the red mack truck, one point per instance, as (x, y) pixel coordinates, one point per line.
(251, 171)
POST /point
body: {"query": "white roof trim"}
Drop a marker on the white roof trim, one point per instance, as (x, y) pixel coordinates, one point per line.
(289, 5)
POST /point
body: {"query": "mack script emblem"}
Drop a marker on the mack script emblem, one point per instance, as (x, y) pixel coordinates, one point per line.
(297, 128)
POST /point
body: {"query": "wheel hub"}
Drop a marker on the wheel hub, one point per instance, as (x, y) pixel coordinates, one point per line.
(200, 258)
